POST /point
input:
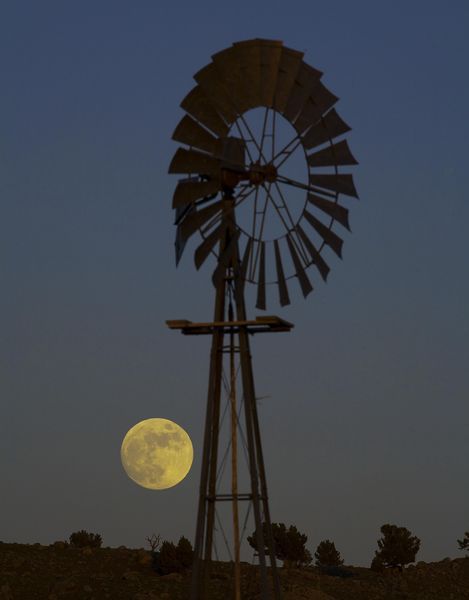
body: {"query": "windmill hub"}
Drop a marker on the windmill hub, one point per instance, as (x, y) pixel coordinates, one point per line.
(258, 173)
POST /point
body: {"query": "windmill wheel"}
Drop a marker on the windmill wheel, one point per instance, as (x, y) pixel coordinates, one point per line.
(261, 128)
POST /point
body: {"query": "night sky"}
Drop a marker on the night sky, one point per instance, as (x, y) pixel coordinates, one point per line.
(365, 416)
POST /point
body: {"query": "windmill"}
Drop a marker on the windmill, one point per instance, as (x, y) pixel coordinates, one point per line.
(263, 145)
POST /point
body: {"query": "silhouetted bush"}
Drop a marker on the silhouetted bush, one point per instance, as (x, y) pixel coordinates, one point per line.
(84, 539)
(184, 552)
(326, 555)
(377, 563)
(464, 543)
(397, 547)
(171, 558)
(289, 544)
(167, 559)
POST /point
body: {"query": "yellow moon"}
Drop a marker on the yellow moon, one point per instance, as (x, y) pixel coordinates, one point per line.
(157, 453)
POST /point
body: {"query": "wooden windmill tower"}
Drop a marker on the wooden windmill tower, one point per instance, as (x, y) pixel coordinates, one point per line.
(263, 148)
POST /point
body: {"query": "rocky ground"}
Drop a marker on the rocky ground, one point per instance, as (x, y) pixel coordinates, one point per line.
(56, 572)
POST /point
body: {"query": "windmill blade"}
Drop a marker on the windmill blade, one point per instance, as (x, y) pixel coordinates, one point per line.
(333, 209)
(329, 237)
(191, 133)
(228, 65)
(282, 284)
(335, 154)
(181, 212)
(328, 128)
(180, 241)
(317, 259)
(260, 303)
(192, 161)
(289, 65)
(212, 84)
(243, 267)
(199, 106)
(320, 101)
(271, 52)
(227, 257)
(179, 245)
(249, 56)
(305, 82)
(305, 284)
(192, 189)
(196, 218)
(208, 244)
(342, 184)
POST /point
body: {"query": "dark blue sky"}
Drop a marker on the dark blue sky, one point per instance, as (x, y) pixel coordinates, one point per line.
(367, 419)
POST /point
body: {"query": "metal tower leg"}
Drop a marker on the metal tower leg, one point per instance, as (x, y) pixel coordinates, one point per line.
(256, 459)
(234, 464)
(205, 516)
(249, 400)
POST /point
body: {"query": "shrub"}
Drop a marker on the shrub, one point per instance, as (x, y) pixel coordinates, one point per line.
(289, 544)
(84, 539)
(464, 543)
(184, 552)
(168, 561)
(377, 563)
(326, 555)
(171, 558)
(397, 547)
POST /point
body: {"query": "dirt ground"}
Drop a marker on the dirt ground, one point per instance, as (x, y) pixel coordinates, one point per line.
(56, 572)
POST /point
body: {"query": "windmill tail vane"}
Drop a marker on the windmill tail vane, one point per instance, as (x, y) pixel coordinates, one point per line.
(261, 186)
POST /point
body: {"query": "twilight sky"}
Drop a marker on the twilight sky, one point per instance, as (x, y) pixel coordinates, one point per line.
(366, 419)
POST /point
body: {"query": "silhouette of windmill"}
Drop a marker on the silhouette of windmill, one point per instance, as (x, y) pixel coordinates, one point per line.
(261, 164)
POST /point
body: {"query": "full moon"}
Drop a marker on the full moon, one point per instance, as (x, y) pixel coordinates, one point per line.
(157, 453)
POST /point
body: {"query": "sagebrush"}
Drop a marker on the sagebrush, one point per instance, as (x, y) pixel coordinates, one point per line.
(85, 539)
